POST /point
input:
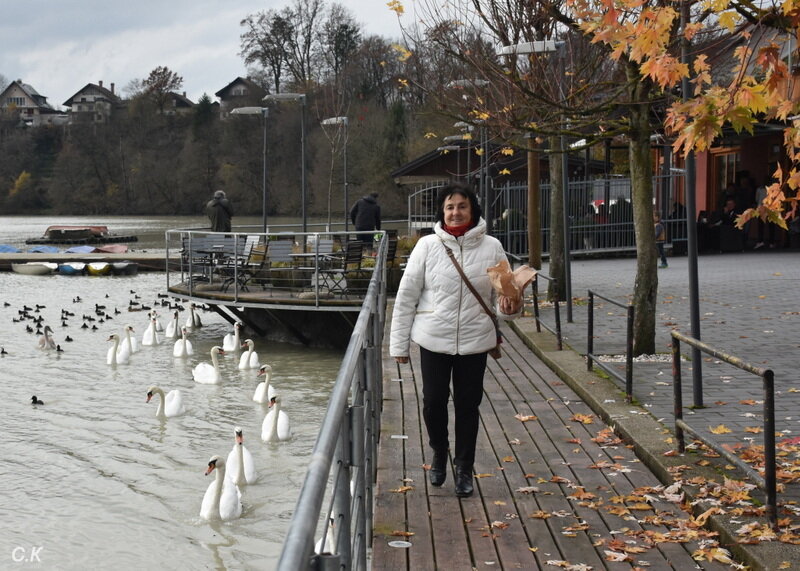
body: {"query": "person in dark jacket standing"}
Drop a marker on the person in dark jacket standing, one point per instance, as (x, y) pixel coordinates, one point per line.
(220, 212)
(366, 215)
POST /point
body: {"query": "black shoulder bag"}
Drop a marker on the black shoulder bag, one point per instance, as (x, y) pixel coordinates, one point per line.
(495, 352)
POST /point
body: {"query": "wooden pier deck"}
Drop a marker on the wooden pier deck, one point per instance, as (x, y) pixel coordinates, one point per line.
(552, 490)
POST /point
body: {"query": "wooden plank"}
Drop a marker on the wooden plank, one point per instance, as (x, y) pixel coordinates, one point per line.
(417, 504)
(390, 508)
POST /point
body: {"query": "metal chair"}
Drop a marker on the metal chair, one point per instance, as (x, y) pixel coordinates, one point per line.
(339, 267)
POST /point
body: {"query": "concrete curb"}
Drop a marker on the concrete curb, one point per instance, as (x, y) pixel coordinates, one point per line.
(649, 438)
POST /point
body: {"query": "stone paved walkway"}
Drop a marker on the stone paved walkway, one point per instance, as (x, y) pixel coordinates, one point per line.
(748, 308)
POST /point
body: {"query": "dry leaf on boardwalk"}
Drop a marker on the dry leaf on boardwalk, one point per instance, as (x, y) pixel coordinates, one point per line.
(499, 525)
(484, 475)
(583, 418)
(398, 533)
(528, 490)
(720, 429)
(525, 418)
(402, 489)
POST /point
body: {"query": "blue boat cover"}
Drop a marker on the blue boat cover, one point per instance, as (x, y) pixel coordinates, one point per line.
(8, 249)
(44, 250)
(80, 250)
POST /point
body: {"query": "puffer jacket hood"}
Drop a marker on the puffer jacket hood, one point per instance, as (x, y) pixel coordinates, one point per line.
(434, 308)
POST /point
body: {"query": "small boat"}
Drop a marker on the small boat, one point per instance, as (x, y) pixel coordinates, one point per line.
(98, 268)
(124, 268)
(72, 268)
(34, 268)
(74, 234)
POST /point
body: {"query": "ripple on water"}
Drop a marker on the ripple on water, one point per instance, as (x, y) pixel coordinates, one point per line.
(97, 479)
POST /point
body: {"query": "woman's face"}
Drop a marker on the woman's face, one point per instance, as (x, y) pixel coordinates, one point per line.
(457, 210)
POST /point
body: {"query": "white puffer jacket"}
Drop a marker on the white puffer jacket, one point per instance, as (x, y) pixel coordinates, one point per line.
(434, 308)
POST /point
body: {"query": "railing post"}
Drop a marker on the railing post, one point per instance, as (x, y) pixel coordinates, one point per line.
(590, 332)
(326, 562)
(629, 356)
(677, 393)
(341, 503)
(769, 446)
(557, 314)
(357, 436)
(535, 288)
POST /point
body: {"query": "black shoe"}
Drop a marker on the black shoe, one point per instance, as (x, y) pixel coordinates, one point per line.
(464, 486)
(438, 472)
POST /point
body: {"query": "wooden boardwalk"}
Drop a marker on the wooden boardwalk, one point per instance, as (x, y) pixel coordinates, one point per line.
(549, 491)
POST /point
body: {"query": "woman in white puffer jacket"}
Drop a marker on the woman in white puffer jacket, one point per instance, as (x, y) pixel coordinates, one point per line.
(436, 310)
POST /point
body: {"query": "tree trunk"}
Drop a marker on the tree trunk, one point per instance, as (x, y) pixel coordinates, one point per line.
(646, 286)
(557, 206)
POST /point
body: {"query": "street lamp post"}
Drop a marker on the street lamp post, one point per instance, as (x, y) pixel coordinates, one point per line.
(538, 47)
(301, 97)
(263, 111)
(343, 122)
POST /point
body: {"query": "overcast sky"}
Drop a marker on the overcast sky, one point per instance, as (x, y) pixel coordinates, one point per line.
(58, 47)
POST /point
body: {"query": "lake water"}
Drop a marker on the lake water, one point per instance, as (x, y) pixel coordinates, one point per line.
(92, 479)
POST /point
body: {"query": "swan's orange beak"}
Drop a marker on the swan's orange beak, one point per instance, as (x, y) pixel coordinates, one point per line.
(260, 373)
(149, 396)
(210, 468)
(239, 439)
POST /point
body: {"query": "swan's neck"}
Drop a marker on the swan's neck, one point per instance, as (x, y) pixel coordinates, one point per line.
(240, 472)
(160, 412)
(277, 408)
(214, 360)
(114, 352)
(219, 481)
(128, 337)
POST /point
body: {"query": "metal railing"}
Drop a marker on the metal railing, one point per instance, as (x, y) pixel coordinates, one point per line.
(198, 258)
(767, 483)
(592, 359)
(343, 463)
(557, 313)
(600, 213)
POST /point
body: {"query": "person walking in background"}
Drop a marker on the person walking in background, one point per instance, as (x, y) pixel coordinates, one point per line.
(661, 238)
(366, 216)
(220, 212)
(435, 309)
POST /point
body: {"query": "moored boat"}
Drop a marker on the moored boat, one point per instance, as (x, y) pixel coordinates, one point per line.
(72, 268)
(124, 268)
(98, 268)
(34, 268)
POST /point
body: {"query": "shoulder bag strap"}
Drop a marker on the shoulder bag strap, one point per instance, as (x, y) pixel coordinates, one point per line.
(472, 289)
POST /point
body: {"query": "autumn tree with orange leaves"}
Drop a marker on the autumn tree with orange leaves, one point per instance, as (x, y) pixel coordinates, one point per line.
(640, 44)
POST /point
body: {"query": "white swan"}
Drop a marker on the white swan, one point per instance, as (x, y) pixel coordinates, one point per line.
(46, 341)
(113, 357)
(150, 336)
(173, 330)
(183, 347)
(241, 468)
(231, 341)
(264, 391)
(193, 320)
(169, 405)
(276, 424)
(222, 500)
(129, 343)
(249, 360)
(209, 374)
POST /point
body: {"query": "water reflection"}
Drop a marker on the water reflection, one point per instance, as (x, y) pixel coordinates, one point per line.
(96, 479)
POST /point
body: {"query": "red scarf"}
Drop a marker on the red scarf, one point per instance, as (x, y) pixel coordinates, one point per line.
(457, 231)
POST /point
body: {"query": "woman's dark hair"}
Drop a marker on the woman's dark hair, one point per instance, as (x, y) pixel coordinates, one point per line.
(465, 191)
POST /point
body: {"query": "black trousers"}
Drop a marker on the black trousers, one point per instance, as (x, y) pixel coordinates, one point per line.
(466, 372)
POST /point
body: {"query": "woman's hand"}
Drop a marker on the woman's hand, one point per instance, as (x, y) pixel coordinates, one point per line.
(401, 360)
(508, 305)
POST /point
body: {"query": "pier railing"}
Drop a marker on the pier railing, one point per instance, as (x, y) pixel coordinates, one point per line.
(309, 268)
(768, 482)
(331, 527)
(592, 359)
